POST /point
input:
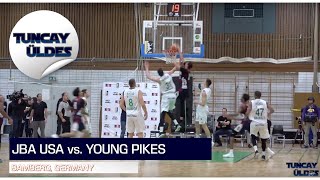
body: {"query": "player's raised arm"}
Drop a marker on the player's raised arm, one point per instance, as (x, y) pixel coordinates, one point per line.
(146, 65)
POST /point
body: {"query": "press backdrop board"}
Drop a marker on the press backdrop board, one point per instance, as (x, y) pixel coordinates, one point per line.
(111, 111)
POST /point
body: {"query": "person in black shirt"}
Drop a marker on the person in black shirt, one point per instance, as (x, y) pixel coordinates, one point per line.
(59, 122)
(17, 113)
(39, 115)
(26, 119)
(223, 127)
(123, 122)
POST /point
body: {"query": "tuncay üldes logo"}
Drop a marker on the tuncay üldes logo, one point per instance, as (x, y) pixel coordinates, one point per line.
(42, 42)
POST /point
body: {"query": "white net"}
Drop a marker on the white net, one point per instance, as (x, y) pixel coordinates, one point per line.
(170, 56)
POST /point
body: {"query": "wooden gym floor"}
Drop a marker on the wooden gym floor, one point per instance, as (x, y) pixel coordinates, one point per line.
(244, 164)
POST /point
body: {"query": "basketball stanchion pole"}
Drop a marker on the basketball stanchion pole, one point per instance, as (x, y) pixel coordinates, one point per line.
(185, 116)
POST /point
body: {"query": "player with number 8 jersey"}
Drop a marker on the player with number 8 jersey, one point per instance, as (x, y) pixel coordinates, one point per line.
(132, 102)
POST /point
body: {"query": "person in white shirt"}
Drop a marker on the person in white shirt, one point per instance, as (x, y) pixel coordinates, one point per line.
(132, 102)
(202, 110)
(168, 97)
(258, 112)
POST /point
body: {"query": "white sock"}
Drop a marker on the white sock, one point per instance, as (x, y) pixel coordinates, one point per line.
(263, 153)
(175, 122)
(161, 128)
(167, 134)
(255, 148)
(231, 150)
(197, 136)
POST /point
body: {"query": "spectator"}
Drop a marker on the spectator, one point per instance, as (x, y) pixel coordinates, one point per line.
(223, 127)
(310, 115)
(39, 115)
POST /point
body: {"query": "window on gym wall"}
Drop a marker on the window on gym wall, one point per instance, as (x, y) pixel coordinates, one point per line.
(243, 10)
(244, 18)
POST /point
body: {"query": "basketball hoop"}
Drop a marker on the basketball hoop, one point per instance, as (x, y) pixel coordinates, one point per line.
(170, 56)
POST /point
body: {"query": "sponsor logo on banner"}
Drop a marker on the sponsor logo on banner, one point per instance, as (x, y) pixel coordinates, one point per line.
(117, 126)
(147, 102)
(154, 118)
(154, 111)
(146, 86)
(106, 117)
(117, 86)
(116, 101)
(154, 86)
(138, 85)
(147, 127)
(156, 102)
(125, 85)
(108, 85)
(155, 127)
(154, 94)
(108, 101)
(107, 109)
(114, 118)
(144, 94)
(107, 93)
(106, 125)
(42, 42)
(116, 109)
(115, 93)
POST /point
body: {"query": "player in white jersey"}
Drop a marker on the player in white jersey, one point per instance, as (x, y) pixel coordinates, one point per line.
(168, 97)
(203, 110)
(132, 102)
(258, 112)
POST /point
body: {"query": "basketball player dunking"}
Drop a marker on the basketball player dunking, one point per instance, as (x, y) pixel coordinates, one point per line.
(203, 110)
(258, 111)
(132, 102)
(168, 97)
(185, 69)
(78, 129)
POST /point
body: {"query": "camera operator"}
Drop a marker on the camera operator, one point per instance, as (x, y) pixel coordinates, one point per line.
(18, 105)
(310, 115)
(26, 119)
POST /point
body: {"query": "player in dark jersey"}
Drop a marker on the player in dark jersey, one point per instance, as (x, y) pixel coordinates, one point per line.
(78, 127)
(185, 69)
(241, 128)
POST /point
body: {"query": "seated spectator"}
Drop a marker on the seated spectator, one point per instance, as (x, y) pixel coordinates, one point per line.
(223, 127)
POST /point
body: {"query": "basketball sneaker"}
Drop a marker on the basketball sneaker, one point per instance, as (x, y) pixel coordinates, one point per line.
(263, 157)
(178, 128)
(256, 153)
(54, 136)
(270, 153)
(229, 155)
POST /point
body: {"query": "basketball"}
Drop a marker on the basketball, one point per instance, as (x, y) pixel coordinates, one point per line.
(174, 48)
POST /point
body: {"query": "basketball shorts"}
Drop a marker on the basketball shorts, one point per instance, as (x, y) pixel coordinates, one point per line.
(77, 124)
(168, 102)
(260, 128)
(202, 114)
(135, 124)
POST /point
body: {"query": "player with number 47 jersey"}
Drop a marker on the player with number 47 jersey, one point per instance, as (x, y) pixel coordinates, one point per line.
(258, 112)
